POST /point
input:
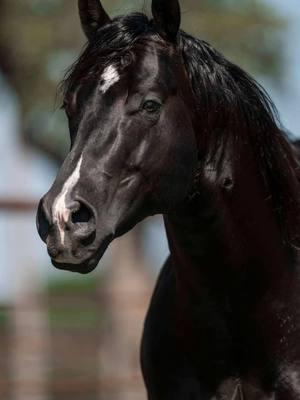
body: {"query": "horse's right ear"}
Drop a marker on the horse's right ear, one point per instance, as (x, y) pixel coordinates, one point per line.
(167, 18)
(92, 16)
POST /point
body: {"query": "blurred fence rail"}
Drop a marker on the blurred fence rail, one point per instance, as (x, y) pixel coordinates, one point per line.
(13, 204)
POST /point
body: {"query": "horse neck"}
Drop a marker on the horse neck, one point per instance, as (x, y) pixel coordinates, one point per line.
(226, 234)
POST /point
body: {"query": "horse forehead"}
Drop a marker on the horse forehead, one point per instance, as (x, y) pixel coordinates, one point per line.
(153, 65)
(155, 57)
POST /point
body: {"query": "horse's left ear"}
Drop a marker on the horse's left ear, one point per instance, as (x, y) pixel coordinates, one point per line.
(167, 18)
(92, 16)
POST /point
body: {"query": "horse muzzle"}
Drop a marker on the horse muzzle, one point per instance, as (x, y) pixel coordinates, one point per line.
(71, 236)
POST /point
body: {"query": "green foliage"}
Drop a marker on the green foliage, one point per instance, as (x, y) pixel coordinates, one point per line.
(246, 31)
(3, 317)
(73, 303)
(73, 318)
(76, 285)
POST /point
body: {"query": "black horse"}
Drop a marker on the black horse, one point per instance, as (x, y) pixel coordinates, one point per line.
(160, 122)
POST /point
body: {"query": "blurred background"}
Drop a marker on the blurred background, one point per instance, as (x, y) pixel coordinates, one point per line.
(64, 336)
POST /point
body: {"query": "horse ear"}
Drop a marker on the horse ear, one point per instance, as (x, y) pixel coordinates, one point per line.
(92, 16)
(167, 18)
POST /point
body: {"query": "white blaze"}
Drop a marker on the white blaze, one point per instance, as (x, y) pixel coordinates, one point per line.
(60, 211)
(109, 77)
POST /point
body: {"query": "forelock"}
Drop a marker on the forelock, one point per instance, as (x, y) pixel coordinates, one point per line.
(110, 42)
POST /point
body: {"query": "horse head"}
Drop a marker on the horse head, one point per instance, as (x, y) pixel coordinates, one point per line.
(133, 150)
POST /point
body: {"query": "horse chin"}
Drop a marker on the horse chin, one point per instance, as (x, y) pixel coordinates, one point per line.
(89, 264)
(84, 268)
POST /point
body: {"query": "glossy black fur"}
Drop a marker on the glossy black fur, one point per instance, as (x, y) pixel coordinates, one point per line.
(187, 134)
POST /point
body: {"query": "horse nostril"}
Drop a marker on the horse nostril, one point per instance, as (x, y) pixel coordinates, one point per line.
(42, 221)
(83, 220)
(82, 215)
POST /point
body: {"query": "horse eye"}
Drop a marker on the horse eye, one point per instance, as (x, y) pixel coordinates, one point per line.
(151, 106)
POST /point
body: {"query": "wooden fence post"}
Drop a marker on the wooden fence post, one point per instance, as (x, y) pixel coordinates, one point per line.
(125, 291)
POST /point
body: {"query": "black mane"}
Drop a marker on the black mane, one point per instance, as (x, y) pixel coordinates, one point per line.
(231, 104)
(236, 108)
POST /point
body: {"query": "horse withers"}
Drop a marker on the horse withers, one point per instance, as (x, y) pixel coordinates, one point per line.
(161, 123)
